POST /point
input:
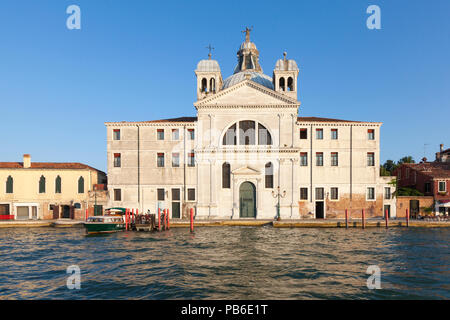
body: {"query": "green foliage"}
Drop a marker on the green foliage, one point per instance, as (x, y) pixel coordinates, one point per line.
(404, 191)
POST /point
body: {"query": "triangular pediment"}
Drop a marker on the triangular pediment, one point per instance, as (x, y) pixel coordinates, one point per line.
(245, 171)
(247, 93)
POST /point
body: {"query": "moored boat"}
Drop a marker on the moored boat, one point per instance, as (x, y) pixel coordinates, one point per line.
(104, 224)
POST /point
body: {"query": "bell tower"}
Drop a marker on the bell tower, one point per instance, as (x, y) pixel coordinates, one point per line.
(285, 76)
(209, 77)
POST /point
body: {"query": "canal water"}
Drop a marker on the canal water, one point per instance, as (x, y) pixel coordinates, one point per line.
(226, 263)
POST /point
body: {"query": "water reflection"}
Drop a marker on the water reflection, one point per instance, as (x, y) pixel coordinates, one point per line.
(225, 263)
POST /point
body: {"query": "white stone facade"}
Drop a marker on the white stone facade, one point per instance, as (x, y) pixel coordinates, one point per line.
(269, 134)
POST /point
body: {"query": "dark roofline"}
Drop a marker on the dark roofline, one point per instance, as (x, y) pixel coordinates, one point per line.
(49, 165)
(317, 119)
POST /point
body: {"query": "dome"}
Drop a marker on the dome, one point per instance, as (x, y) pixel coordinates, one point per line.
(208, 65)
(257, 77)
(286, 65)
(247, 45)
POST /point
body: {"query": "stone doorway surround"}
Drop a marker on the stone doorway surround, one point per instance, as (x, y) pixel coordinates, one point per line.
(239, 176)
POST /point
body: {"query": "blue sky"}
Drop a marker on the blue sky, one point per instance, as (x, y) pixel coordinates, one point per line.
(135, 61)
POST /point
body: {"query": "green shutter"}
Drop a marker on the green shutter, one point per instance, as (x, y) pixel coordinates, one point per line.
(42, 184)
(9, 185)
(81, 185)
(58, 184)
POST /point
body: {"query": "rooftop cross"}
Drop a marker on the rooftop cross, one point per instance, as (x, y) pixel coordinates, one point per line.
(210, 50)
(247, 33)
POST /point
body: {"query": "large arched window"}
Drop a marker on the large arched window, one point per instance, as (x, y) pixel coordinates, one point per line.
(246, 131)
(81, 185)
(58, 184)
(269, 175)
(9, 185)
(42, 184)
(226, 172)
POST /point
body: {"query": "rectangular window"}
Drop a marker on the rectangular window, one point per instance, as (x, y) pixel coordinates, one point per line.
(334, 193)
(160, 134)
(442, 187)
(191, 194)
(175, 194)
(371, 134)
(334, 159)
(387, 193)
(319, 134)
(175, 160)
(191, 134)
(303, 159)
(117, 195)
(399, 174)
(160, 162)
(303, 133)
(303, 193)
(117, 160)
(407, 173)
(334, 134)
(370, 193)
(319, 159)
(370, 159)
(175, 134)
(427, 187)
(116, 134)
(161, 194)
(319, 194)
(191, 159)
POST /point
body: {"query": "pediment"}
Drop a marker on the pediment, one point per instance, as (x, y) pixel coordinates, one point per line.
(245, 171)
(247, 93)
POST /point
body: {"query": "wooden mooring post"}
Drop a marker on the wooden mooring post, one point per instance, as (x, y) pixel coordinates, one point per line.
(407, 218)
(168, 220)
(363, 219)
(386, 217)
(159, 219)
(346, 218)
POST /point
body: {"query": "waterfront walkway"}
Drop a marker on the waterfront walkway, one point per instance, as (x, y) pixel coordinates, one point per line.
(285, 223)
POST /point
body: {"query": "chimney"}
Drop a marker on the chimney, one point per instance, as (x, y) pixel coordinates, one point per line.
(442, 147)
(26, 161)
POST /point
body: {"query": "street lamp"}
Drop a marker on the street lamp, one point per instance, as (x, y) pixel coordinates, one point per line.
(278, 195)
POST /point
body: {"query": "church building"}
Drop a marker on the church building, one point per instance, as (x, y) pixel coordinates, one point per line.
(248, 154)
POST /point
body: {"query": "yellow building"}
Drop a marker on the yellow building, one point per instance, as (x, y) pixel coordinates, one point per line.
(47, 190)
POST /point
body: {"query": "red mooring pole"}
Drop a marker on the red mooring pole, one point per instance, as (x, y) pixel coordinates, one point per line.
(407, 218)
(86, 214)
(346, 218)
(126, 219)
(363, 220)
(192, 219)
(132, 215)
(159, 219)
(387, 219)
(168, 219)
(165, 219)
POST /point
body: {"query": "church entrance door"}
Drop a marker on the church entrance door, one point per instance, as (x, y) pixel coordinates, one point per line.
(247, 200)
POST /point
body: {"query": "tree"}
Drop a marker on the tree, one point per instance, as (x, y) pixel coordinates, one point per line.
(407, 159)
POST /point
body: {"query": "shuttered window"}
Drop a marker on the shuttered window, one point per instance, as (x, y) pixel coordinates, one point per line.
(81, 185)
(9, 185)
(226, 171)
(269, 175)
(42, 184)
(58, 184)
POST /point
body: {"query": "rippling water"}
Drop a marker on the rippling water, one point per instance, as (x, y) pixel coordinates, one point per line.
(226, 263)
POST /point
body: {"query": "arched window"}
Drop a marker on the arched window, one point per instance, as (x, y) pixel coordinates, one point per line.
(81, 185)
(247, 134)
(282, 84)
(42, 184)
(226, 172)
(290, 84)
(58, 184)
(204, 85)
(212, 85)
(229, 138)
(269, 175)
(9, 185)
(264, 137)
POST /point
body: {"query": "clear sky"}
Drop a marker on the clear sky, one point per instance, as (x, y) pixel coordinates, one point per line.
(135, 61)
